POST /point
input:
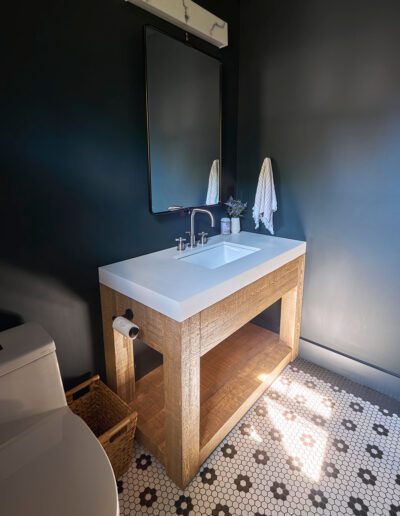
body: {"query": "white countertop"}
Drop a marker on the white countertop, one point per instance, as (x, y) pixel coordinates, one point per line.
(180, 289)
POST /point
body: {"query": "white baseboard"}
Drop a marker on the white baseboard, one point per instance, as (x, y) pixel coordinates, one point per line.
(364, 374)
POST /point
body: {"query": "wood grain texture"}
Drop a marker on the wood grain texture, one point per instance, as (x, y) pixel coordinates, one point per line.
(187, 406)
(225, 317)
(149, 396)
(108, 309)
(119, 354)
(152, 324)
(291, 312)
(232, 376)
(181, 370)
(125, 372)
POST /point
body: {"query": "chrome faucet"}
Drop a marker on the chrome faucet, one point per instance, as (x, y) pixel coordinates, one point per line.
(191, 233)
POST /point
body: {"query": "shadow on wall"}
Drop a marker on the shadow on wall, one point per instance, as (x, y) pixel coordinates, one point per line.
(270, 318)
(74, 192)
(257, 141)
(65, 223)
(67, 316)
(9, 319)
(254, 136)
(287, 212)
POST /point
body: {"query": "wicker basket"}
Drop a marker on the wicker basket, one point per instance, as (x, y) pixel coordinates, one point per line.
(109, 417)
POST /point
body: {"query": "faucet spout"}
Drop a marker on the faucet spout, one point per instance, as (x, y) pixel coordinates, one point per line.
(202, 210)
(192, 241)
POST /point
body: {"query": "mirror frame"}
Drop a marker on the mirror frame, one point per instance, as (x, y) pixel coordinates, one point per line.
(184, 40)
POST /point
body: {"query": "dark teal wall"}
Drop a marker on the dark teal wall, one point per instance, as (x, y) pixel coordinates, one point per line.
(73, 192)
(320, 95)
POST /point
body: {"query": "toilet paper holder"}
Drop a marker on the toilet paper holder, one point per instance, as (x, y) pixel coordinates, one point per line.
(125, 327)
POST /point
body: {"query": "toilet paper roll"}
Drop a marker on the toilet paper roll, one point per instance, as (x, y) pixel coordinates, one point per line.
(126, 327)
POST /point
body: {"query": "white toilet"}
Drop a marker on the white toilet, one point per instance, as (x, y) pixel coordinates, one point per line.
(50, 461)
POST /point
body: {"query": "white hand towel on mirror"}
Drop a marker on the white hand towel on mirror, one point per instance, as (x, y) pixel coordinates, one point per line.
(265, 202)
(213, 184)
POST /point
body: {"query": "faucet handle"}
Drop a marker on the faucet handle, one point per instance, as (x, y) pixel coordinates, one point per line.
(181, 243)
(203, 238)
(192, 239)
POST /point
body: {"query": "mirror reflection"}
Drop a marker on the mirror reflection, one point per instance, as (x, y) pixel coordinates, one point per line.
(183, 111)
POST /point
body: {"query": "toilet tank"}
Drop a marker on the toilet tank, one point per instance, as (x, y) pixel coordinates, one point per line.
(30, 380)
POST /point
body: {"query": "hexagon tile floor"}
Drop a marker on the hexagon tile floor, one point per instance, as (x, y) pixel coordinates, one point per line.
(315, 443)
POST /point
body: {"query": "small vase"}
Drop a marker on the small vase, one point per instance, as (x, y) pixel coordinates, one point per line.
(235, 225)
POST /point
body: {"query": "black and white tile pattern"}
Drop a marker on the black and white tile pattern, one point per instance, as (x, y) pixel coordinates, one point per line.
(315, 443)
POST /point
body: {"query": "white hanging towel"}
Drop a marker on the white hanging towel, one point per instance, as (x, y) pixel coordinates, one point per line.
(213, 184)
(265, 202)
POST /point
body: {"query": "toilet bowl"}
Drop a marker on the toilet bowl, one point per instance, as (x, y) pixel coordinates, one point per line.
(50, 461)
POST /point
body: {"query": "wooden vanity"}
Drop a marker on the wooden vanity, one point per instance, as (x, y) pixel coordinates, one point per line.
(216, 363)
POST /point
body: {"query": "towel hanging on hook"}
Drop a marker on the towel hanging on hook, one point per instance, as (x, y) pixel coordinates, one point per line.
(265, 203)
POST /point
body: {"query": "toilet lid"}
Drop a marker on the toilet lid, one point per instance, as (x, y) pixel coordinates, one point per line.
(56, 467)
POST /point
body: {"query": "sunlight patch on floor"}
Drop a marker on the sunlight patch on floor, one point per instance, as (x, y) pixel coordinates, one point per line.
(303, 441)
(309, 398)
(256, 436)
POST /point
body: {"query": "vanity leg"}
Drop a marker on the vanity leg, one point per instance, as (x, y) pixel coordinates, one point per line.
(119, 355)
(125, 367)
(291, 312)
(182, 399)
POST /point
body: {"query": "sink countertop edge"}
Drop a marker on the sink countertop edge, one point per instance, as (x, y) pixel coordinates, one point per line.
(156, 301)
(182, 310)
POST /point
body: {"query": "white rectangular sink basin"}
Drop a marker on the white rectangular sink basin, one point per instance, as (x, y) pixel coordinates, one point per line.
(218, 255)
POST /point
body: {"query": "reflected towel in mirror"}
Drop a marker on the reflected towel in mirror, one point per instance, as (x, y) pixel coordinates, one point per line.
(213, 184)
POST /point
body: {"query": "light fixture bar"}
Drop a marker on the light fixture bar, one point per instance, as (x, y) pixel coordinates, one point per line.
(190, 17)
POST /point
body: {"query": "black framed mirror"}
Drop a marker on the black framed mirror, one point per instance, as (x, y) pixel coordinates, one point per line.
(183, 92)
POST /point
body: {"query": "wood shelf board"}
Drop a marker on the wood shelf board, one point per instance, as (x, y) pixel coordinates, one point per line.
(233, 375)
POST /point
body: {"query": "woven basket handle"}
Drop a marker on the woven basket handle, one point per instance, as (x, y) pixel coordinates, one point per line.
(70, 394)
(127, 422)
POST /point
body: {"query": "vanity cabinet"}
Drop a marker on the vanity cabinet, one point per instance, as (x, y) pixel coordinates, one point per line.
(216, 363)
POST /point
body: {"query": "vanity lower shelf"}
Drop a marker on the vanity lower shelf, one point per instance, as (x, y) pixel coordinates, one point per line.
(232, 377)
